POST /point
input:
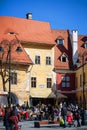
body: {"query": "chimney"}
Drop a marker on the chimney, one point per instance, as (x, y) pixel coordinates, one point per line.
(75, 46)
(29, 16)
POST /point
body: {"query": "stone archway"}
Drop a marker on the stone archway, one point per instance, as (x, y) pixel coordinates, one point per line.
(14, 99)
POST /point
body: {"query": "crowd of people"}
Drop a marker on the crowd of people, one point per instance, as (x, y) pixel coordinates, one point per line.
(65, 113)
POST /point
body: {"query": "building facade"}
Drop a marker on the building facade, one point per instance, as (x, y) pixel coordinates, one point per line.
(63, 62)
(81, 72)
(34, 73)
(46, 67)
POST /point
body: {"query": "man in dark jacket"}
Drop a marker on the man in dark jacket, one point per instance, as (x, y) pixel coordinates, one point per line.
(6, 118)
(64, 113)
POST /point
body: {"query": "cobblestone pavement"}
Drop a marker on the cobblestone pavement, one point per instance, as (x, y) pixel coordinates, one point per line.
(29, 125)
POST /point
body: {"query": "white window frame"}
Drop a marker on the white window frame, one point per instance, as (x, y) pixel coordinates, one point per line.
(48, 60)
(37, 59)
(33, 82)
(63, 56)
(65, 81)
(85, 45)
(49, 82)
(13, 78)
(60, 41)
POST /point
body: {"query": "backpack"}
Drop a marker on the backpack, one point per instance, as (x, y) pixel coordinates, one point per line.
(62, 122)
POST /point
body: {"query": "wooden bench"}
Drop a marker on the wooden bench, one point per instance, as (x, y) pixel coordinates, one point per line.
(38, 124)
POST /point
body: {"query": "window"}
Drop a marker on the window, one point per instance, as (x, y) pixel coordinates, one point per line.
(49, 82)
(80, 101)
(63, 58)
(37, 59)
(48, 60)
(13, 78)
(80, 80)
(85, 45)
(65, 81)
(76, 82)
(33, 82)
(60, 41)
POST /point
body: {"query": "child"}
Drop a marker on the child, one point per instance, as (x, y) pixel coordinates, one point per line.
(61, 121)
(69, 118)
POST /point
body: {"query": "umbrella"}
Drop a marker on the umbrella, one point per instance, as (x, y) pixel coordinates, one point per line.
(60, 96)
(57, 95)
(52, 95)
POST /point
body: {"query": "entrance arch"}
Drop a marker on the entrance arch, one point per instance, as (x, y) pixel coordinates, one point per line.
(14, 98)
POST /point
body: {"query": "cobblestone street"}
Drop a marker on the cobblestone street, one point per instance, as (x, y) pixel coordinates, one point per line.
(29, 125)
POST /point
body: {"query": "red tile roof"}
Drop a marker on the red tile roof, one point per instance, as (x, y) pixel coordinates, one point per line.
(82, 39)
(62, 49)
(28, 30)
(16, 57)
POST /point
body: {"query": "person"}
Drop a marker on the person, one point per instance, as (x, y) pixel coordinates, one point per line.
(51, 112)
(82, 117)
(6, 118)
(77, 117)
(64, 113)
(14, 121)
(69, 118)
(61, 121)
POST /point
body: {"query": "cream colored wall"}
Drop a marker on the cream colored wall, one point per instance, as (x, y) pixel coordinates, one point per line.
(21, 90)
(42, 71)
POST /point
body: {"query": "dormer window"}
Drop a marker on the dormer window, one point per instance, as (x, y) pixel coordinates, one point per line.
(63, 58)
(85, 45)
(60, 40)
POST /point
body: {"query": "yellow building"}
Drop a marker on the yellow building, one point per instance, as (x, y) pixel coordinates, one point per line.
(32, 71)
(81, 71)
(81, 85)
(41, 75)
(33, 67)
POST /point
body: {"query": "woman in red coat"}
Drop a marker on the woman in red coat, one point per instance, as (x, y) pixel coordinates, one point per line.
(14, 119)
(69, 118)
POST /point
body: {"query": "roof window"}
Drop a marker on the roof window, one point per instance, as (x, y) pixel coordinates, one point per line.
(63, 58)
(60, 40)
(84, 45)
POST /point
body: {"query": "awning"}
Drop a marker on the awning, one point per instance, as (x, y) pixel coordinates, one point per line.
(46, 93)
(42, 93)
(52, 95)
(3, 93)
(60, 96)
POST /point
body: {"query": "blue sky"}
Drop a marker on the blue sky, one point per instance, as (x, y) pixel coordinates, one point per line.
(61, 14)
